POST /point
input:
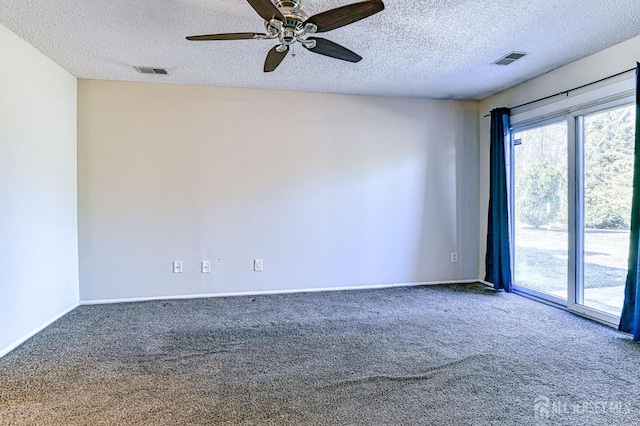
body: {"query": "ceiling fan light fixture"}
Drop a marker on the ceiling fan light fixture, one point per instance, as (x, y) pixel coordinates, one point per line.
(288, 35)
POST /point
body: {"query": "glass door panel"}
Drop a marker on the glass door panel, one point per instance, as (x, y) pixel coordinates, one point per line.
(540, 210)
(608, 138)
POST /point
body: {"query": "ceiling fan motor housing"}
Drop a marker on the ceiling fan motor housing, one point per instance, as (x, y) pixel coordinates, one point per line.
(293, 28)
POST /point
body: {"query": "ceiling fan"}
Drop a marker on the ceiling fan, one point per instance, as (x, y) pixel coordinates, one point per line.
(285, 21)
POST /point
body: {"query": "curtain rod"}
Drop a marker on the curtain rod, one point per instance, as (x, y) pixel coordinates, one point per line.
(566, 92)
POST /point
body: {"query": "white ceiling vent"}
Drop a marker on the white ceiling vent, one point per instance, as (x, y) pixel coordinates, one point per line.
(151, 70)
(509, 58)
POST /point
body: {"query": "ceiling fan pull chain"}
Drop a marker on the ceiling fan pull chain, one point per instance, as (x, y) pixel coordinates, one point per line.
(293, 50)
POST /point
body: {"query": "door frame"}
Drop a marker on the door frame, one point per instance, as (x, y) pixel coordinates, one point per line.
(575, 122)
(512, 205)
(574, 117)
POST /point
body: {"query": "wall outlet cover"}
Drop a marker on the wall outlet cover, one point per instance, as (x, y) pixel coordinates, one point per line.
(257, 265)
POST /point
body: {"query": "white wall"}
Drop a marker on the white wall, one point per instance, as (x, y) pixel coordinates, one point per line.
(603, 64)
(330, 190)
(38, 201)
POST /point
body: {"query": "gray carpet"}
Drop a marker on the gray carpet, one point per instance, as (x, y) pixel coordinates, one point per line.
(440, 355)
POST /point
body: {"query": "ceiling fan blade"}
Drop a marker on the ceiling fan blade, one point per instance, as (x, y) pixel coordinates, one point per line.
(266, 9)
(334, 50)
(274, 58)
(341, 16)
(225, 36)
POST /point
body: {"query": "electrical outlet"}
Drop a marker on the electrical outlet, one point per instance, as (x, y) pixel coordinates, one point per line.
(257, 265)
(205, 267)
(177, 267)
(454, 257)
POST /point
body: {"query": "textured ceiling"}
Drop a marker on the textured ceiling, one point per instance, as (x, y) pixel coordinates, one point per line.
(414, 48)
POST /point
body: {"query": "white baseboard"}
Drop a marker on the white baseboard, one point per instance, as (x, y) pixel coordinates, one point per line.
(23, 339)
(267, 292)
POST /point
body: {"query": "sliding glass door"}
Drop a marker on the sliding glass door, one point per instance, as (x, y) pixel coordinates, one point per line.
(539, 224)
(571, 189)
(606, 139)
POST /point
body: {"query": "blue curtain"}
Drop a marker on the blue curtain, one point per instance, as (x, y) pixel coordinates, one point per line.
(630, 318)
(498, 259)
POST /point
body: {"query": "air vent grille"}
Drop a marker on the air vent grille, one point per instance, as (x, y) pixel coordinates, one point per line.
(152, 70)
(510, 58)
